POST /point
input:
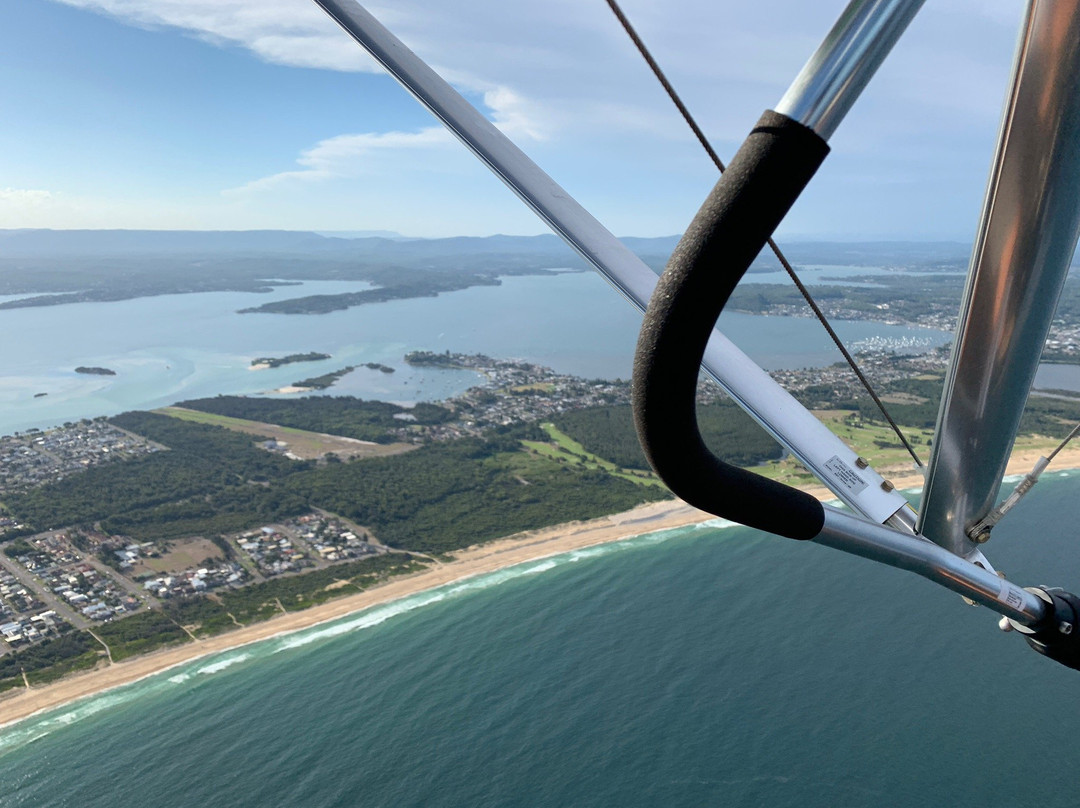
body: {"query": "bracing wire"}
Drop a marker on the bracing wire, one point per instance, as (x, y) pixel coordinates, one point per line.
(704, 141)
(980, 531)
(1060, 446)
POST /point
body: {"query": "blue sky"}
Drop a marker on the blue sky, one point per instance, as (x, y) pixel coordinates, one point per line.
(243, 114)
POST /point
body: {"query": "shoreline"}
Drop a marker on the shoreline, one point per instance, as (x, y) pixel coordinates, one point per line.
(17, 705)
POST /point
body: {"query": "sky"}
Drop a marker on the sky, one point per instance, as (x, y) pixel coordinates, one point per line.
(261, 114)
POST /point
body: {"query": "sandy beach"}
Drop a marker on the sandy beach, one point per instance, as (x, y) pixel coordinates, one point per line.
(18, 704)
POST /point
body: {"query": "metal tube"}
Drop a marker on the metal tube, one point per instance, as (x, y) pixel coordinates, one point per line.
(754, 390)
(1026, 239)
(843, 65)
(921, 556)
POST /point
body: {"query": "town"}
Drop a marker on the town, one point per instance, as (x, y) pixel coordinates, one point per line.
(54, 582)
(35, 457)
(81, 578)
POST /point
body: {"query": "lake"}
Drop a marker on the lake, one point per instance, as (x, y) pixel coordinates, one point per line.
(173, 347)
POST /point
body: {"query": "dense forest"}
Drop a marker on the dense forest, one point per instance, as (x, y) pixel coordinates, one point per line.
(903, 296)
(918, 406)
(1051, 415)
(608, 432)
(335, 415)
(450, 495)
(210, 478)
(49, 660)
(438, 498)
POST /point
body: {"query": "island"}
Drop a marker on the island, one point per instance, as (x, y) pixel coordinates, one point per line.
(264, 362)
(40, 395)
(324, 381)
(377, 366)
(95, 371)
(455, 361)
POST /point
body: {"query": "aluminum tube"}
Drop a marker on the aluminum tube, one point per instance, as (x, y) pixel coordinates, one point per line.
(845, 532)
(755, 391)
(843, 65)
(1026, 239)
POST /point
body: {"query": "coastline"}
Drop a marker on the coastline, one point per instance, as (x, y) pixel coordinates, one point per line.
(17, 705)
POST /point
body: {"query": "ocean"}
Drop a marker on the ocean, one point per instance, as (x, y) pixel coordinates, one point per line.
(709, 665)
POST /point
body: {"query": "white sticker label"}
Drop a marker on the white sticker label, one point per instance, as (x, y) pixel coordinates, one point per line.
(1011, 595)
(845, 474)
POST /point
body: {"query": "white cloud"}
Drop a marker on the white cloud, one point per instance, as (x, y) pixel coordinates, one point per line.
(16, 198)
(289, 32)
(562, 67)
(514, 115)
(297, 33)
(351, 156)
(563, 75)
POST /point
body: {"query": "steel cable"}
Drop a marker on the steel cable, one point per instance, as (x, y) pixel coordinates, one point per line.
(704, 141)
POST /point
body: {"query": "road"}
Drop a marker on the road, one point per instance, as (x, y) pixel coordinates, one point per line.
(43, 594)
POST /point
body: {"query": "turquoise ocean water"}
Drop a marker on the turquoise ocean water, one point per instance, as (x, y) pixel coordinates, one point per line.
(703, 666)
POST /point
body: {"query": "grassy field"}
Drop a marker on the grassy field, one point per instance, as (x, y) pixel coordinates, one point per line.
(300, 442)
(182, 554)
(565, 449)
(877, 442)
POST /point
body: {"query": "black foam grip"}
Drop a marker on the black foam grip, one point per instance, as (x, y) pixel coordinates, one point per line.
(764, 179)
(1058, 637)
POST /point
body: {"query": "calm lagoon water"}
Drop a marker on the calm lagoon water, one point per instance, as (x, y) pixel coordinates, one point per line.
(1054, 376)
(173, 347)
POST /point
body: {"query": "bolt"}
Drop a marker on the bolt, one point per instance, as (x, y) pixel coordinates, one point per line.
(982, 537)
(862, 462)
(1065, 628)
(1004, 624)
(886, 485)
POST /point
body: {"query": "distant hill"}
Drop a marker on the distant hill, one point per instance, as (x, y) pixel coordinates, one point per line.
(113, 242)
(906, 254)
(389, 246)
(52, 267)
